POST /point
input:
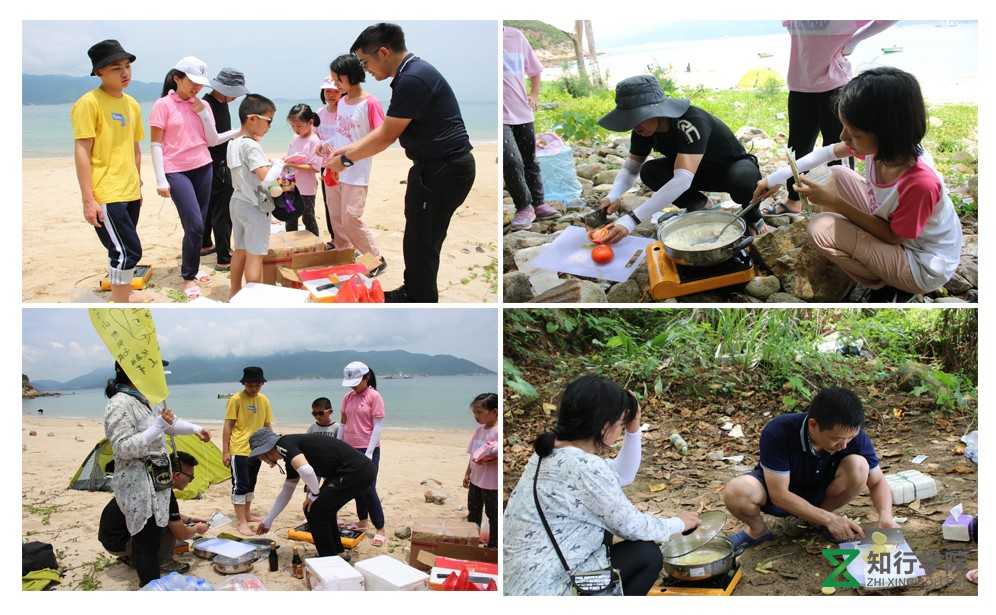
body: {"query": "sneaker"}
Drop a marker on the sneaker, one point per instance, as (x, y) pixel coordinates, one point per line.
(174, 566)
(544, 212)
(379, 269)
(398, 295)
(523, 219)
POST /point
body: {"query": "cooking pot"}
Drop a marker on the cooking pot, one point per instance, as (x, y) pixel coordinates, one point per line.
(711, 221)
(234, 565)
(700, 554)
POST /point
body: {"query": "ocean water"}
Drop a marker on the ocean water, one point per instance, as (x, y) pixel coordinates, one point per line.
(46, 130)
(429, 402)
(943, 59)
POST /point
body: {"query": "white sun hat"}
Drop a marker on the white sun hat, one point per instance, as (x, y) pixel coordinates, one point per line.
(353, 373)
(195, 69)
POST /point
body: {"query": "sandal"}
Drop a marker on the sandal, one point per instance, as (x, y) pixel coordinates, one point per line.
(972, 576)
(223, 267)
(203, 277)
(192, 292)
(742, 541)
(779, 209)
(378, 540)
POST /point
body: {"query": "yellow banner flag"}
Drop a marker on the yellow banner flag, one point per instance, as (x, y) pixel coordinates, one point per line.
(130, 335)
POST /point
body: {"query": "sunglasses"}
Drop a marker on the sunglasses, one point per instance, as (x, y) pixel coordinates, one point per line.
(268, 120)
(319, 412)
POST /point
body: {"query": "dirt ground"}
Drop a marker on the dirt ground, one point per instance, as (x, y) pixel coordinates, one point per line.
(900, 425)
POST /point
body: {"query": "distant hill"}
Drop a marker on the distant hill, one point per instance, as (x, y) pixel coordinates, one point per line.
(60, 89)
(549, 42)
(308, 364)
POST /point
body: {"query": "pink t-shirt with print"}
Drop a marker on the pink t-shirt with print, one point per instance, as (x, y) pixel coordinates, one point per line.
(484, 475)
(518, 60)
(184, 143)
(307, 185)
(817, 62)
(359, 412)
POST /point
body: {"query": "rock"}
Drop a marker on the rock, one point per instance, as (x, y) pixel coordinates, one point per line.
(749, 133)
(588, 170)
(969, 269)
(970, 245)
(403, 533)
(972, 296)
(646, 229)
(516, 287)
(791, 256)
(573, 291)
(630, 201)
(601, 189)
(957, 285)
(949, 300)
(32, 433)
(50, 434)
(605, 177)
(625, 292)
(517, 240)
(434, 497)
(763, 286)
(962, 157)
(784, 298)
(614, 160)
(586, 186)
(744, 298)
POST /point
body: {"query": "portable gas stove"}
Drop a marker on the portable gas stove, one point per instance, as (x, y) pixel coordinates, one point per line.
(668, 279)
(720, 585)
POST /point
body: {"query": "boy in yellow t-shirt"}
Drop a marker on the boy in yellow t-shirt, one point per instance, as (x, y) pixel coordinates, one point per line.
(107, 133)
(248, 410)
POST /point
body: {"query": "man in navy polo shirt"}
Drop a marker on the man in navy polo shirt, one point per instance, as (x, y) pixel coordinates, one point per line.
(425, 118)
(811, 464)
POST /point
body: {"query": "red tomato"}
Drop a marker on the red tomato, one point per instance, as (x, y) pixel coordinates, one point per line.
(602, 254)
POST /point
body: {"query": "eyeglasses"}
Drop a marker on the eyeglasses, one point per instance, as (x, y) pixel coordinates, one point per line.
(268, 120)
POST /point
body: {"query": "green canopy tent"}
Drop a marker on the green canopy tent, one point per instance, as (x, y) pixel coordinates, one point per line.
(93, 474)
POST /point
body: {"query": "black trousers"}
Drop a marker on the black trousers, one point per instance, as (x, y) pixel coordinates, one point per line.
(639, 564)
(328, 219)
(323, 514)
(307, 215)
(219, 218)
(485, 500)
(145, 551)
(809, 114)
(435, 190)
(519, 167)
(738, 178)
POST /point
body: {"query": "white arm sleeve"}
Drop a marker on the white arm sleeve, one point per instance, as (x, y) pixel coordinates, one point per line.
(624, 179)
(211, 132)
(154, 431)
(675, 187)
(181, 427)
(867, 32)
(159, 166)
(283, 498)
(627, 463)
(307, 474)
(374, 438)
(811, 160)
(275, 170)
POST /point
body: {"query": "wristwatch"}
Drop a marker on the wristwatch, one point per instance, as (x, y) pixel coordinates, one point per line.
(346, 162)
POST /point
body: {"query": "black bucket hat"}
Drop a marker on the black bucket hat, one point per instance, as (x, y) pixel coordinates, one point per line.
(641, 98)
(252, 374)
(107, 52)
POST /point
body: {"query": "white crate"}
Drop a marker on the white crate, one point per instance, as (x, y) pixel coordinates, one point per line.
(910, 485)
(384, 573)
(331, 574)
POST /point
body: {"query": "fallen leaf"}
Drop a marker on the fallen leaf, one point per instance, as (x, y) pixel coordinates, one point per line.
(548, 408)
(658, 487)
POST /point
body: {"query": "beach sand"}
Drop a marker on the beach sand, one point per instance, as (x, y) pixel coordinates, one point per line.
(63, 261)
(52, 456)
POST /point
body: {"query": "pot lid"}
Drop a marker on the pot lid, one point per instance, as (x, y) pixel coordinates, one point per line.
(710, 525)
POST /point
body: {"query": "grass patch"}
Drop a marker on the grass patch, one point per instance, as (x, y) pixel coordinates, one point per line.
(89, 582)
(44, 512)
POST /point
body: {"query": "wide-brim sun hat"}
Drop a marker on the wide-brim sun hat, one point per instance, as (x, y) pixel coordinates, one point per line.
(263, 440)
(194, 68)
(353, 373)
(230, 82)
(639, 99)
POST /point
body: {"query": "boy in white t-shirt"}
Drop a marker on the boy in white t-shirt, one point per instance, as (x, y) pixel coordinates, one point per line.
(321, 409)
(357, 114)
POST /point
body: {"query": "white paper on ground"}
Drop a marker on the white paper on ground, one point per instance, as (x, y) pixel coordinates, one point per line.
(269, 295)
(570, 253)
(218, 519)
(228, 548)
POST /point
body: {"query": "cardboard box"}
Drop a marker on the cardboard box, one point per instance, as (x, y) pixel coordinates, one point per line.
(310, 271)
(453, 538)
(483, 575)
(283, 246)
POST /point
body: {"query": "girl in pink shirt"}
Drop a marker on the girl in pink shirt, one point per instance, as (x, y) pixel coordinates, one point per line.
(357, 114)
(182, 128)
(894, 228)
(303, 122)
(818, 68)
(362, 419)
(481, 479)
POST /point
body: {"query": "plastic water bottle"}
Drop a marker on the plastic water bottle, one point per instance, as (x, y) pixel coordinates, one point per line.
(679, 443)
(485, 534)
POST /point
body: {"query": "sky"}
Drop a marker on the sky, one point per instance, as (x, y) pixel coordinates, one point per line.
(60, 344)
(281, 59)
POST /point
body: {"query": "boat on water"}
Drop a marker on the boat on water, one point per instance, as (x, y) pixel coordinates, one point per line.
(765, 54)
(893, 49)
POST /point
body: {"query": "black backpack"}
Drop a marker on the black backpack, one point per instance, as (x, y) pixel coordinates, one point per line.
(288, 206)
(36, 556)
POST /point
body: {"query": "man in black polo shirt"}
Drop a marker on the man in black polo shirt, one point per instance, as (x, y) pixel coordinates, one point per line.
(700, 153)
(425, 118)
(811, 464)
(226, 87)
(113, 531)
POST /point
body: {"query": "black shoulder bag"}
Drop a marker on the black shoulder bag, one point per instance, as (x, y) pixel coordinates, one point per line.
(605, 582)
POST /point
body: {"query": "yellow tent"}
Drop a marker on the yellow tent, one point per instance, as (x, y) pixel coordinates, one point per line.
(757, 78)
